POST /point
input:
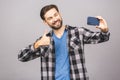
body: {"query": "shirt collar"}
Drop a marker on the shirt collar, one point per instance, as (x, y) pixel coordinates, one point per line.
(51, 32)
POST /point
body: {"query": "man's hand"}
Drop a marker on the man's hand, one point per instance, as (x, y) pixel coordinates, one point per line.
(103, 25)
(43, 41)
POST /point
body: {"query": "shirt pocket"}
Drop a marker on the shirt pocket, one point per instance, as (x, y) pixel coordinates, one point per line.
(75, 44)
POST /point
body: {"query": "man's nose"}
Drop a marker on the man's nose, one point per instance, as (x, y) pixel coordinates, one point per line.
(54, 19)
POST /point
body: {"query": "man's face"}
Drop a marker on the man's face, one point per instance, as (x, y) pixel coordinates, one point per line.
(53, 19)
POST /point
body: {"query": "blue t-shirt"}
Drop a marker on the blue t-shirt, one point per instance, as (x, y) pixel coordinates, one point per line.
(62, 67)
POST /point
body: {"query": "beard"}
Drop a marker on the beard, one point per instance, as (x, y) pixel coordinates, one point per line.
(56, 27)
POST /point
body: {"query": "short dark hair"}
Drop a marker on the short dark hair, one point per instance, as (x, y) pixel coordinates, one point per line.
(47, 8)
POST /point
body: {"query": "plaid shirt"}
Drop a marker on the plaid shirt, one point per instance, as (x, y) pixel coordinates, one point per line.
(77, 37)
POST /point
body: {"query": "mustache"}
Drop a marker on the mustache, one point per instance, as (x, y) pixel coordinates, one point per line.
(56, 21)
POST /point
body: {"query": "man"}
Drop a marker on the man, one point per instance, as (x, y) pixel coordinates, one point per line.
(62, 49)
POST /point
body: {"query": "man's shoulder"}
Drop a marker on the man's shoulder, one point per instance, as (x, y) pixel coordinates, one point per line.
(71, 27)
(74, 27)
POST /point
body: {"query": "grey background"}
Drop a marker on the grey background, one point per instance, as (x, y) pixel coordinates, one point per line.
(20, 25)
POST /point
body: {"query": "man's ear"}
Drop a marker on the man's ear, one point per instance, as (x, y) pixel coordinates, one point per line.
(45, 22)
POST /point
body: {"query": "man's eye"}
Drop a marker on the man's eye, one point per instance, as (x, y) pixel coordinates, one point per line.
(49, 18)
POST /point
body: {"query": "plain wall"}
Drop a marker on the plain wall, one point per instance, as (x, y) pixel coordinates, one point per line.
(20, 25)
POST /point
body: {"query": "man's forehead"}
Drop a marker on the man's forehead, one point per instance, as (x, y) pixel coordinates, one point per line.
(50, 12)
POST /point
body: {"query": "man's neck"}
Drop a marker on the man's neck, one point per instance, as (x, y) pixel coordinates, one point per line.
(59, 32)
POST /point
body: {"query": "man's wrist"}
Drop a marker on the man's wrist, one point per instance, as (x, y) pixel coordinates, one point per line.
(105, 30)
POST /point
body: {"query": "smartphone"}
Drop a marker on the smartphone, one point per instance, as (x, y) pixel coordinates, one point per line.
(93, 21)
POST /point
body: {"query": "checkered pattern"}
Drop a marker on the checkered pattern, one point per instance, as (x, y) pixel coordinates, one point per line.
(77, 37)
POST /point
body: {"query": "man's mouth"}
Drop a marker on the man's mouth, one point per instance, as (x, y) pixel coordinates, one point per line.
(57, 21)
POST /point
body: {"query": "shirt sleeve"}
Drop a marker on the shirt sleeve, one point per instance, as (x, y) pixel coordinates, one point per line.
(27, 53)
(30, 53)
(90, 37)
